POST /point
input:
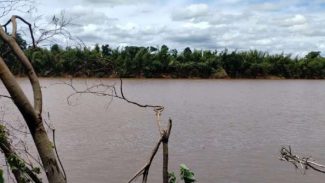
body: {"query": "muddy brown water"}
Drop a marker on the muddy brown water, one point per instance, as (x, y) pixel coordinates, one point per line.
(226, 131)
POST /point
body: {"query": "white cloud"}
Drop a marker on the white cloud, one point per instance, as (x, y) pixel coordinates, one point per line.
(200, 25)
(192, 11)
(294, 21)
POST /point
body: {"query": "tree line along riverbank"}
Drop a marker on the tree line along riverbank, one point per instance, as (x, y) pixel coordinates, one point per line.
(163, 62)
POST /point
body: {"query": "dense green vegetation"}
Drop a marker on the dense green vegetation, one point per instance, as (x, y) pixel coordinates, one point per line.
(152, 62)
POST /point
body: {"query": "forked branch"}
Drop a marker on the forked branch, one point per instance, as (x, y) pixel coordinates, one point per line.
(14, 28)
(145, 170)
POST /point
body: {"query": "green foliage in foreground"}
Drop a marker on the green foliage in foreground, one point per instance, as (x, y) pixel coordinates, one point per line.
(162, 62)
(185, 174)
(13, 160)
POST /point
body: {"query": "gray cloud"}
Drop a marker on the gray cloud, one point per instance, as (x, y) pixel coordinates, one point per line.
(236, 24)
(84, 16)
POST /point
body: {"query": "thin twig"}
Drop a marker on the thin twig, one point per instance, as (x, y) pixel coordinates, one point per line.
(54, 145)
(5, 96)
(57, 155)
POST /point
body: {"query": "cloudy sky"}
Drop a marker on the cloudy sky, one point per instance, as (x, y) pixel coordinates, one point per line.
(290, 26)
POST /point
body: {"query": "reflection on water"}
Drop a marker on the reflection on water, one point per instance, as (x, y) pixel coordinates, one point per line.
(226, 131)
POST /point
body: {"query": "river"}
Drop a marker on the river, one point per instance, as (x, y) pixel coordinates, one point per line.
(226, 131)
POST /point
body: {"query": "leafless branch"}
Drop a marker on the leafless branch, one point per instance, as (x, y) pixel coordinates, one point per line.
(102, 89)
(300, 162)
(7, 6)
(57, 27)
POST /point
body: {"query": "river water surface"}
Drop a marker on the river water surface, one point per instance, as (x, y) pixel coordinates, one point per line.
(226, 131)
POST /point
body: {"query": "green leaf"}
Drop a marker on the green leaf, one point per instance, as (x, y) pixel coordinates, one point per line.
(186, 174)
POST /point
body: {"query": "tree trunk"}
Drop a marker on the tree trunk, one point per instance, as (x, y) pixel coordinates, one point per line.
(35, 125)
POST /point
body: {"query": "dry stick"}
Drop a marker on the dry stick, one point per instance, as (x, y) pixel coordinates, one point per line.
(145, 170)
(57, 155)
(54, 145)
(165, 139)
(305, 163)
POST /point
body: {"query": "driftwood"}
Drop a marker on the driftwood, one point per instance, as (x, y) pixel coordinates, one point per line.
(303, 163)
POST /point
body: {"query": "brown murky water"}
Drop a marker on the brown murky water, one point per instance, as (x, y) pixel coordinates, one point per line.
(226, 131)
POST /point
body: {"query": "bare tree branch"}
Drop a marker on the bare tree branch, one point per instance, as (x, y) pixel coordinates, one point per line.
(56, 28)
(7, 6)
(14, 30)
(102, 89)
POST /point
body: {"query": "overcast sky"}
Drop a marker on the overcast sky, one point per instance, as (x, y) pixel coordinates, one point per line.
(290, 26)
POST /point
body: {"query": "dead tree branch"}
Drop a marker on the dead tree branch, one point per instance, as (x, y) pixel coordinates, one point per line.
(102, 89)
(7, 6)
(111, 91)
(57, 27)
(14, 31)
(300, 162)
